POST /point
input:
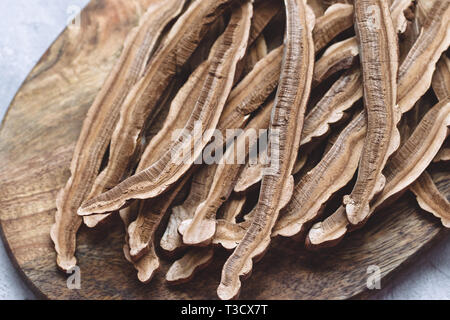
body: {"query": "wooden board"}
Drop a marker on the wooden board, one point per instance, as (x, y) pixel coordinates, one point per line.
(36, 144)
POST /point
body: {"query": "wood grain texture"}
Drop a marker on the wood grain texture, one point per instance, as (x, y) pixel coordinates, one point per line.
(37, 139)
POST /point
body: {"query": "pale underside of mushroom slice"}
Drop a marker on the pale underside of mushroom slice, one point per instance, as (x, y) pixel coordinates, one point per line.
(188, 146)
(379, 60)
(284, 140)
(101, 119)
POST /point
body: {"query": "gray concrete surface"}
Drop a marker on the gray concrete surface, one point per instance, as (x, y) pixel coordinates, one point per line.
(27, 29)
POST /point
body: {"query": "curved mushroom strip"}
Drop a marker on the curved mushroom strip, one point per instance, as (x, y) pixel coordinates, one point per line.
(421, 60)
(226, 52)
(201, 228)
(443, 155)
(337, 18)
(233, 207)
(178, 115)
(403, 168)
(174, 51)
(340, 97)
(339, 56)
(284, 140)
(198, 258)
(200, 186)
(255, 54)
(263, 13)
(379, 61)
(332, 173)
(141, 232)
(343, 54)
(184, 269)
(431, 199)
(149, 263)
(441, 78)
(252, 91)
(100, 120)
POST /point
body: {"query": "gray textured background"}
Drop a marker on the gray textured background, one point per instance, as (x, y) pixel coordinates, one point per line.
(27, 29)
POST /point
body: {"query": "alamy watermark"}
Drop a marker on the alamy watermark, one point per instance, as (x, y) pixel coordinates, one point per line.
(231, 146)
(374, 277)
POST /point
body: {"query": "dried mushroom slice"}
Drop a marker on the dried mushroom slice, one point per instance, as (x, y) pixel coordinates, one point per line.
(100, 121)
(315, 188)
(174, 51)
(141, 232)
(200, 186)
(416, 71)
(330, 109)
(284, 140)
(256, 53)
(184, 269)
(402, 169)
(342, 55)
(339, 56)
(379, 60)
(443, 155)
(441, 78)
(226, 52)
(196, 259)
(337, 18)
(148, 265)
(201, 228)
(431, 199)
(176, 119)
(252, 91)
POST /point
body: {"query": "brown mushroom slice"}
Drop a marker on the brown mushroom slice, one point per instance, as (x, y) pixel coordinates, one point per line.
(255, 54)
(263, 13)
(342, 55)
(149, 183)
(184, 269)
(251, 174)
(333, 172)
(177, 117)
(416, 71)
(379, 60)
(147, 266)
(233, 207)
(100, 121)
(200, 186)
(402, 169)
(252, 91)
(431, 199)
(443, 155)
(196, 259)
(441, 78)
(284, 140)
(339, 56)
(141, 231)
(330, 109)
(174, 51)
(201, 228)
(337, 18)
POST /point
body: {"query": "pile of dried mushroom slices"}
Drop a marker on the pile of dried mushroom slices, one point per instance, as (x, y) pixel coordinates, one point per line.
(351, 96)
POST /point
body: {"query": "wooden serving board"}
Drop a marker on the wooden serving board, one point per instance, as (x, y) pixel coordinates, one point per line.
(37, 139)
